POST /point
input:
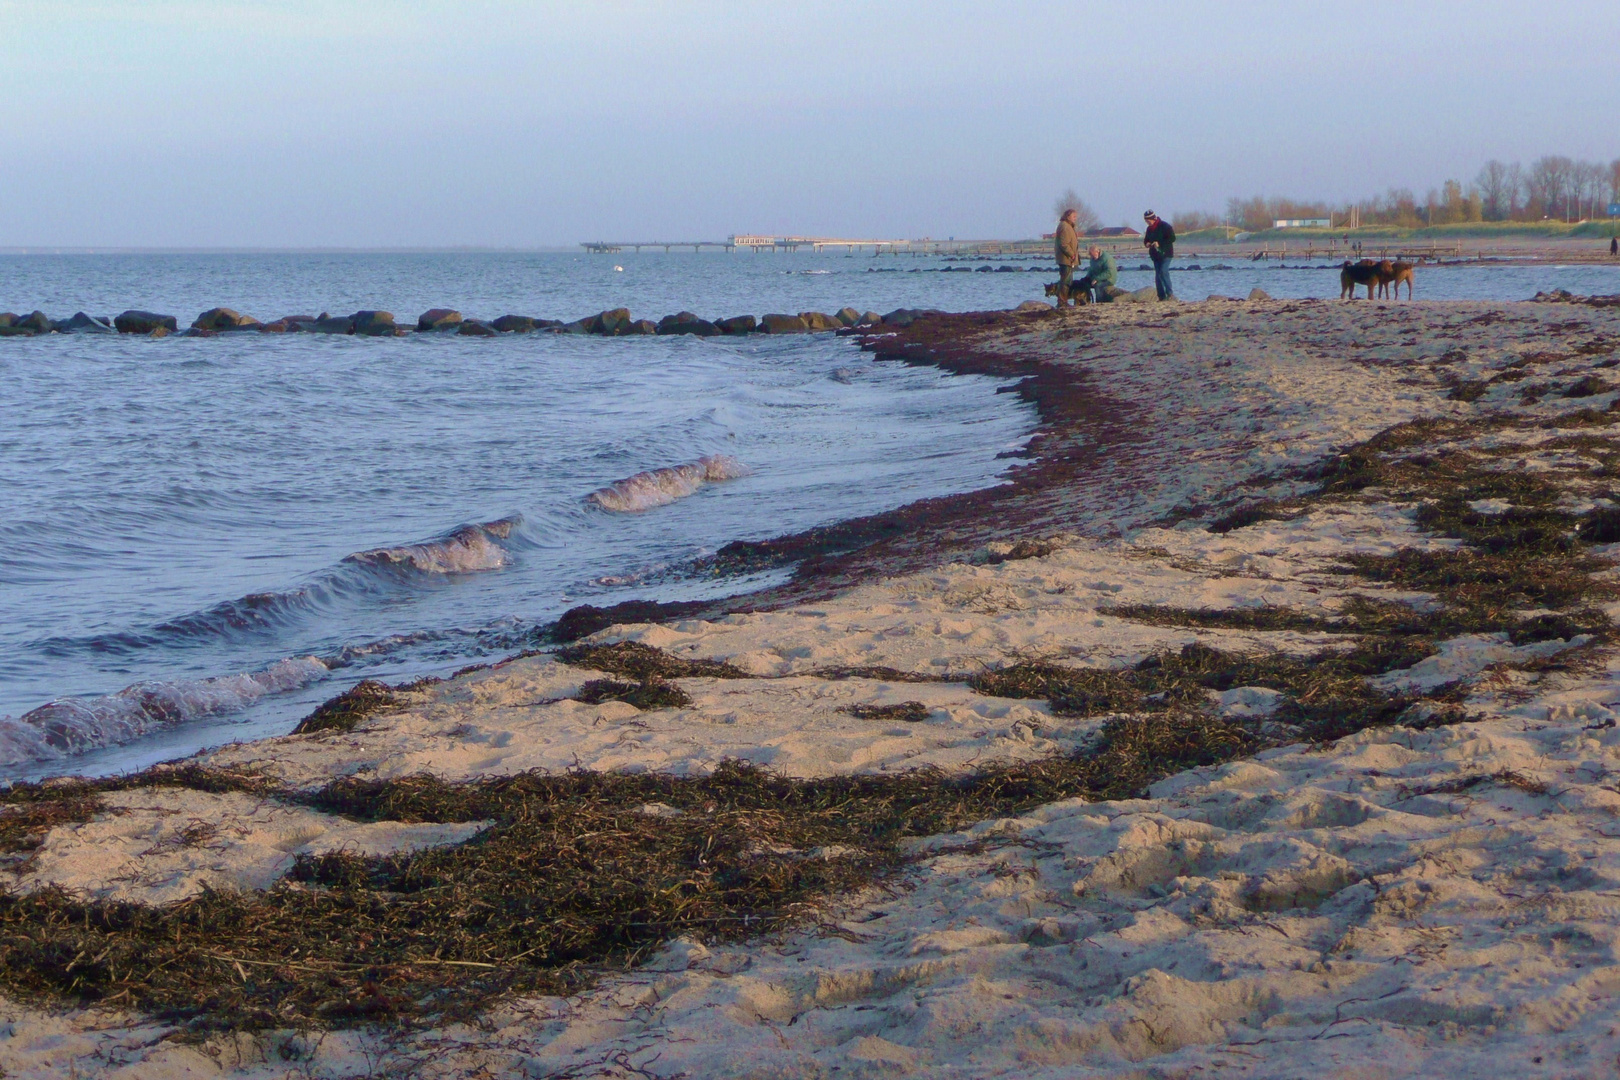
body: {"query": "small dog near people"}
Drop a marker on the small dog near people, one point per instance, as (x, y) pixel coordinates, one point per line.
(1064, 296)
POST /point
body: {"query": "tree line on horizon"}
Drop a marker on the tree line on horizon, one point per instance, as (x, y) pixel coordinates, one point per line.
(1554, 187)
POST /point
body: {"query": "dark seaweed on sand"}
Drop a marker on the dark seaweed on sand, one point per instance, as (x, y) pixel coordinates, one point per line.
(570, 878)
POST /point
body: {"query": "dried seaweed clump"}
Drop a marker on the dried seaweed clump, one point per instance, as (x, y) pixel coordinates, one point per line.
(651, 694)
(1327, 694)
(909, 712)
(342, 713)
(643, 662)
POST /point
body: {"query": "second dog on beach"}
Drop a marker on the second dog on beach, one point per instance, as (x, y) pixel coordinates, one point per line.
(1392, 274)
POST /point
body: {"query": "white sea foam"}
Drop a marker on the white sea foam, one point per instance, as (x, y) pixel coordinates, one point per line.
(659, 487)
(74, 725)
(469, 549)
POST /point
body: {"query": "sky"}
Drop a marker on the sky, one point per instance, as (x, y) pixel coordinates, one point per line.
(432, 123)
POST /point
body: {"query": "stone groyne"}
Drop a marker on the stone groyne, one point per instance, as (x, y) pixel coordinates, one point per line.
(615, 322)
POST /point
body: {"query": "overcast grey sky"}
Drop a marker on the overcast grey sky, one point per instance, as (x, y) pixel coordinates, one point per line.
(479, 122)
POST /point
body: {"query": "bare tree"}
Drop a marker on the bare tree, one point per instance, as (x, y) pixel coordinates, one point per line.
(1614, 180)
(1515, 190)
(1549, 184)
(1588, 180)
(1086, 219)
(1496, 200)
(1193, 220)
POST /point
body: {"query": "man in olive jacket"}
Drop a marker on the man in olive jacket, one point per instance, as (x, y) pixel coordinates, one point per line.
(1066, 244)
(1101, 274)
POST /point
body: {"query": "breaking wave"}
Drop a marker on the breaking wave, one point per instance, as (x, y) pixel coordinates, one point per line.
(659, 487)
(74, 725)
(466, 550)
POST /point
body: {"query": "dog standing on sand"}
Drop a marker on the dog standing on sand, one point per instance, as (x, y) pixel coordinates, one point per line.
(1068, 294)
(1352, 275)
(1392, 274)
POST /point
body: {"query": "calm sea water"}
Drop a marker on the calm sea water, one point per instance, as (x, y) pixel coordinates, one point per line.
(200, 538)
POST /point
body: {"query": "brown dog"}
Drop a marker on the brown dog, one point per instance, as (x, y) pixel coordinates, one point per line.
(1066, 296)
(1392, 274)
(1352, 274)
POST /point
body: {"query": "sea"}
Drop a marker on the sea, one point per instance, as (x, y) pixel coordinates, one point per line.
(201, 538)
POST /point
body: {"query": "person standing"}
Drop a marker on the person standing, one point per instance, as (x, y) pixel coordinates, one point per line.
(1101, 274)
(1160, 240)
(1614, 246)
(1066, 245)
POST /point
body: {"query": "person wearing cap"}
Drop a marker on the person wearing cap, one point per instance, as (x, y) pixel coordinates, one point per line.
(1101, 274)
(1066, 245)
(1160, 240)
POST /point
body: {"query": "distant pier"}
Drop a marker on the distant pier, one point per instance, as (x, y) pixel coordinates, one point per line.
(747, 242)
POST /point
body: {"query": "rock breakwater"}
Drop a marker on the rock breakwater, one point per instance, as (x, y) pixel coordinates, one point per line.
(613, 322)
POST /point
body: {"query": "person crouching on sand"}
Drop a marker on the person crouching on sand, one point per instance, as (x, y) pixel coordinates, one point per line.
(1066, 244)
(1160, 240)
(1101, 274)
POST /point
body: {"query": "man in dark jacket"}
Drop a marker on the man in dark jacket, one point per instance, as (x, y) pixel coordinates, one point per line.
(1160, 240)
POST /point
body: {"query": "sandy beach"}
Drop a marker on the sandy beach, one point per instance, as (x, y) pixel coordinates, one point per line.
(1335, 579)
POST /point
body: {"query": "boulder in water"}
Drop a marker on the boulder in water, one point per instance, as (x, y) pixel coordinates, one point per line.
(36, 322)
(222, 318)
(818, 323)
(143, 322)
(579, 326)
(438, 319)
(521, 324)
(612, 321)
(742, 324)
(160, 331)
(848, 316)
(1259, 294)
(326, 324)
(81, 323)
(782, 324)
(641, 326)
(869, 318)
(476, 328)
(8, 319)
(900, 317)
(374, 323)
(687, 323)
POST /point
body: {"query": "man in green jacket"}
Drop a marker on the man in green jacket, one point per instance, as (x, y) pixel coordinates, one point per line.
(1101, 274)
(1066, 246)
